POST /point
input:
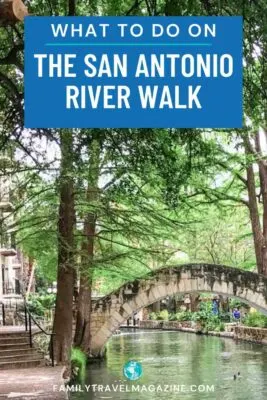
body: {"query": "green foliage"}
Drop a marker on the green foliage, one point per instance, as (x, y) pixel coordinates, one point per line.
(153, 316)
(40, 304)
(181, 316)
(235, 303)
(37, 227)
(205, 312)
(255, 319)
(208, 321)
(206, 307)
(221, 327)
(163, 315)
(226, 317)
(219, 235)
(201, 316)
(212, 323)
(159, 316)
(78, 362)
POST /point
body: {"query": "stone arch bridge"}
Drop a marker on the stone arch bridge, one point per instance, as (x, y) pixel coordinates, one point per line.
(109, 312)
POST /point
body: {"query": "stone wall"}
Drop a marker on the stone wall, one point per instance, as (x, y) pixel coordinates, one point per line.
(11, 317)
(256, 335)
(238, 332)
(97, 320)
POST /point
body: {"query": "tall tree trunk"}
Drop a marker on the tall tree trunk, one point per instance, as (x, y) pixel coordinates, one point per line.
(259, 229)
(263, 195)
(254, 217)
(65, 280)
(72, 7)
(82, 334)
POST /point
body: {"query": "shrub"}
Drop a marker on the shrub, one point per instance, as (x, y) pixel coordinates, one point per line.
(226, 316)
(221, 327)
(206, 307)
(202, 316)
(181, 316)
(153, 316)
(172, 317)
(209, 321)
(38, 305)
(213, 324)
(163, 315)
(255, 319)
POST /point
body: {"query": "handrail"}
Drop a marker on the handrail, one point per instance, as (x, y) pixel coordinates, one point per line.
(29, 318)
(37, 323)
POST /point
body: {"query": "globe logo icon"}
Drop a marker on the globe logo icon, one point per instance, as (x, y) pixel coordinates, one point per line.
(132, 370)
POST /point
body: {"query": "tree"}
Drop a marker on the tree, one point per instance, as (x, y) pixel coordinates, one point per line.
(219, 235)
(65, 281)
(82, 337)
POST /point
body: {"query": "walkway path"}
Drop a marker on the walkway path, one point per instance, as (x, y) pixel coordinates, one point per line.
(16, 328)
(31, 384)
(11, 328)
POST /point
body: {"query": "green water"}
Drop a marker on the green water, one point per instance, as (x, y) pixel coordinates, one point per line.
(185, 359)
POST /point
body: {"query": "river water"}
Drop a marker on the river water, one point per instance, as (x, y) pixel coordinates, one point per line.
(194, 367)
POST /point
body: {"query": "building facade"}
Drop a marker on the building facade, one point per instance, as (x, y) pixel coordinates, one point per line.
(11, 262)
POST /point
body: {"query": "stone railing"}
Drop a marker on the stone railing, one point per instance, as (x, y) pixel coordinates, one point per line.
(170, 325)
(149, 324)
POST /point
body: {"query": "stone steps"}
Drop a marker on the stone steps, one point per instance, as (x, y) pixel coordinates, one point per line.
(13, 346)
(18, 357)
(15, 351)
(13, 340)
(21, 364)
(4, 335)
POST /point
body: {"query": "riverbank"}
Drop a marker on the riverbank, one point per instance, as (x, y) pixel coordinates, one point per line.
(32, 383)
(234, 331)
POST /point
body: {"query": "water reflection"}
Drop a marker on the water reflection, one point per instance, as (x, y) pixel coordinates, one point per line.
(176, 358)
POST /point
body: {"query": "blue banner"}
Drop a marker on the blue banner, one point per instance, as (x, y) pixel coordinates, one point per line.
(133, 72)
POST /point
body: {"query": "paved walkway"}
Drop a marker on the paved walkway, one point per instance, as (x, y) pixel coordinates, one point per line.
(11, 328)
(32, 384)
